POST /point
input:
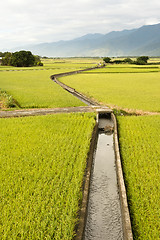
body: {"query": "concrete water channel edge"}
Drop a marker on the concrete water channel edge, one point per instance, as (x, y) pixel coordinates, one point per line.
(104, 219)
(125, 217)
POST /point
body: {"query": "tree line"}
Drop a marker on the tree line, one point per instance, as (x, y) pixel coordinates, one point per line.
(139, 61)
(20, 59)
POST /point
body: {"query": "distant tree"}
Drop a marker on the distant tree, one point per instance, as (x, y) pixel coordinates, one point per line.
(106, 59)
(22, 59)
(6, 59)
(1, 54)
(128, 60)
(37, 61)
(142, 60)
(118, 61)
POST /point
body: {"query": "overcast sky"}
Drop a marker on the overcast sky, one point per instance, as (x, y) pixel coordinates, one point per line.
(36, 21)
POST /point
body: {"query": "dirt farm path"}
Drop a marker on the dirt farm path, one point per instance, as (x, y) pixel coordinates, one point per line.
(43, 111)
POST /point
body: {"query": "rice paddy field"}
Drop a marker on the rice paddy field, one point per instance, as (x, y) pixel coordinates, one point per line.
(125, 68)
(139, 139)
(120, 88)
(43, 159)
(42, 163)
(33, 88)
(59, 65)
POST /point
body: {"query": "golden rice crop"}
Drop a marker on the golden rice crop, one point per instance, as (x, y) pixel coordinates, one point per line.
(42, 163)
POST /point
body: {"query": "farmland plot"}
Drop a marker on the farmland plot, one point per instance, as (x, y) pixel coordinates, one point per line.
(34, 89)
(137, 91)
(140, 152)
(42, 163)
(58, 65)
(121, 68)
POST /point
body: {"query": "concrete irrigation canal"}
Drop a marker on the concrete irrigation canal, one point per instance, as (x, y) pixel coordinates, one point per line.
(104, 212)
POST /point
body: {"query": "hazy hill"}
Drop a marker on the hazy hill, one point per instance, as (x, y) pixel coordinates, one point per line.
(141, 41)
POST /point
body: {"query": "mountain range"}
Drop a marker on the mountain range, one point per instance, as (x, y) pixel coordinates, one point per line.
(141, 41)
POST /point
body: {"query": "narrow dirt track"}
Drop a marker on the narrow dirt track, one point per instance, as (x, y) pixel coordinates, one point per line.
(42, 111)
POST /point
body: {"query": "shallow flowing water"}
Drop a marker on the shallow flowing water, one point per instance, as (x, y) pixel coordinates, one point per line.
(104, 215)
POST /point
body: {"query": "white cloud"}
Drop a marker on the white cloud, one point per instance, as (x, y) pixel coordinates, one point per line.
(33, 21)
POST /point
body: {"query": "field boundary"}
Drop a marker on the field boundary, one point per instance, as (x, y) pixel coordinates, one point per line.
(81, 96)
(126, 222)
(135, 112)
(86, 186)
(75, 93)
(72, 90)
(44, 111)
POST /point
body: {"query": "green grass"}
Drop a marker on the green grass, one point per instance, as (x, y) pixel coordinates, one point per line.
(6, 101)
(74, 60)
(42, 163)
(139, 139)
(125, 68)
(58, 65)
(126, 90)
(33, 89)
(70, 64)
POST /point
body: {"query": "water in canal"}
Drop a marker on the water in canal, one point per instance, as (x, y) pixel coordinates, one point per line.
(104, 215)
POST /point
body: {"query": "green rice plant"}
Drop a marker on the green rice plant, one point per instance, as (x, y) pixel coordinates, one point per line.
(125, 68)
(72, 60)
(7, 101)
(59, 65)
(35, 89)
(139, 139)
(42, 164)
(124, 90)
(32, 87)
